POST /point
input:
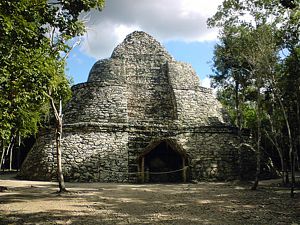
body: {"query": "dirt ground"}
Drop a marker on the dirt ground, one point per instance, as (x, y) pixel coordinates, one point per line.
(33, 202)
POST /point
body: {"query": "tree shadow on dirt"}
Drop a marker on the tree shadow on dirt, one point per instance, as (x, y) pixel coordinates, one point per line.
(203, 203)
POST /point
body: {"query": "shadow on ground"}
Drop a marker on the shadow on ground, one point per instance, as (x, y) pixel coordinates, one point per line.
(99, 203)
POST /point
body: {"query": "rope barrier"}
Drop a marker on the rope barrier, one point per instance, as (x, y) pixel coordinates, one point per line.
(146, 172)
(167, 172)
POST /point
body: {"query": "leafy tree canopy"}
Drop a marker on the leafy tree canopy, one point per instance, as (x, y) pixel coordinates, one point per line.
(256, 66)
(33, 41)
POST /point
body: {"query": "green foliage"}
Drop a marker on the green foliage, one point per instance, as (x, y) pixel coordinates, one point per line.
(33, 39)
(252, 35)
(256, 67)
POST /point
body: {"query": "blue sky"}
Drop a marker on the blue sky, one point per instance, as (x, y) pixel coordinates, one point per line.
(198, 54)
(179, 25)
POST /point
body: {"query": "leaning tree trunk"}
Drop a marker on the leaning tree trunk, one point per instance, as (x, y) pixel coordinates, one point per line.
(258, 141)
(7, 151)
(274, 141)
(58, 134)
(2, 155)
(291, 149)
(258, 156)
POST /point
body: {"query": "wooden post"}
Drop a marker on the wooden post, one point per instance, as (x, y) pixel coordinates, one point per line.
(143, 170)
(184, 170)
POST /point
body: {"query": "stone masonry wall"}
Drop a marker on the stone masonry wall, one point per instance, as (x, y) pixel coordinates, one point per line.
(38, 165)
(195, 104)
(111, 70)
(91, 156)
(87, 155)
(139, 96)
(94, 153)
(155, 96)
(212, 153)
(97, 102)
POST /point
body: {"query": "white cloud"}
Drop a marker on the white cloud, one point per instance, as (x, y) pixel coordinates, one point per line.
(205, 82)
(183, 20)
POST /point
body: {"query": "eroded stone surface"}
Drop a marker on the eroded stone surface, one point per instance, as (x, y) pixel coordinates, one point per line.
(132, 102)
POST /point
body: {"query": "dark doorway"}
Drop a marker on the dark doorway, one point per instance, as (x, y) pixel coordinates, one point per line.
(163, 164)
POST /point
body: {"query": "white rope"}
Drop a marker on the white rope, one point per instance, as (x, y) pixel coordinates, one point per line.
(167, 172)
(146, 172)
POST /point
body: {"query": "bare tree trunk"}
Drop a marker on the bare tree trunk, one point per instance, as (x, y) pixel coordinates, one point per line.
(293, 162)
(258, 155)
(290, 143)
(287, 179)
(273, 138)
(258, 141)
(291, 149)
(292, 156)
(58, 134)
(60, 176)
(237, 107)
(297, 158)
(11, 158)
(2, 155)
(19, 151)
(274, 141)
(8, 150)
(239, 126)
(297, 141)
(282, 170)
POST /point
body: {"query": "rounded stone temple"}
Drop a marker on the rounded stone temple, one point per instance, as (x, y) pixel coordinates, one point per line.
(141, 117)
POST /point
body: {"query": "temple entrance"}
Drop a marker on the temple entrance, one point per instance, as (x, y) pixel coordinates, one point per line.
(163, 164)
